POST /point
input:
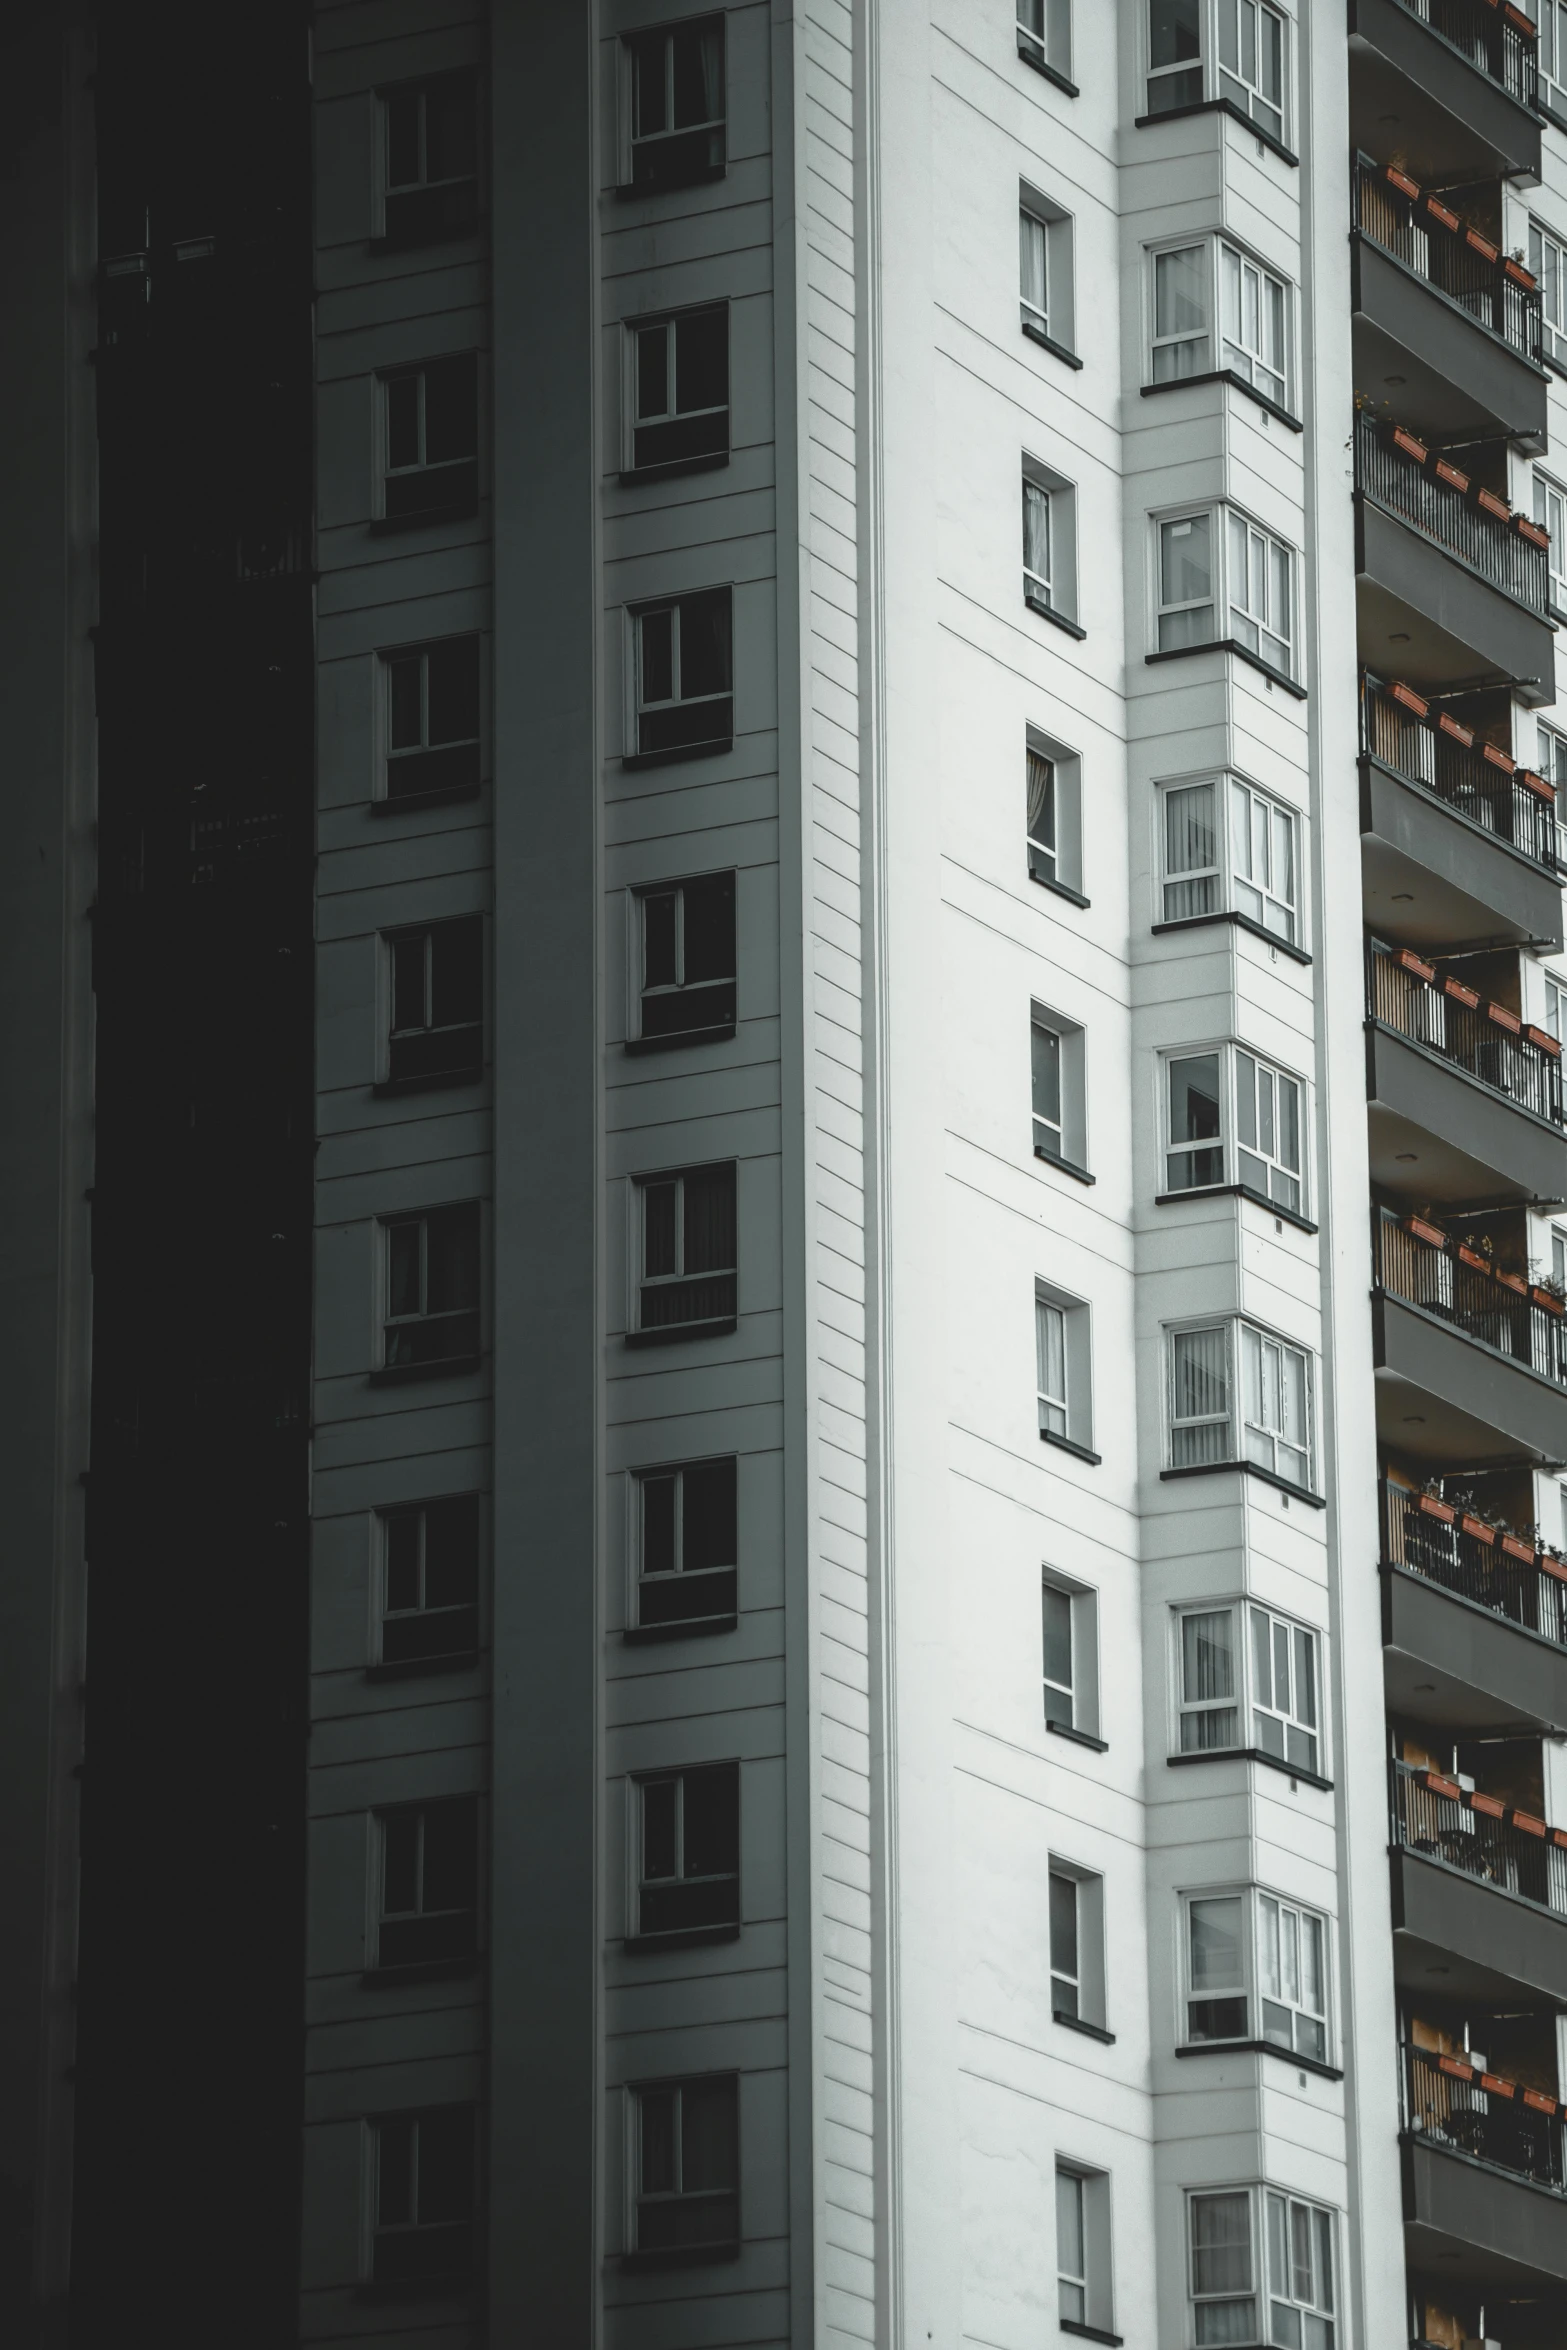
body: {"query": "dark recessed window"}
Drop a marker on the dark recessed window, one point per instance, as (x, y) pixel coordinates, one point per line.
(429, 1913)
(688, 1270)
(437, 1001)
(682, 388)
(687, 1544)
(688, 2166)
(432, 440)
(677, 104)
(431, 134)
(432, 718)
(685, 696)
(430, 1589)
(424, 2199)
(688, 1876)
(688, 958)
(432, 1287)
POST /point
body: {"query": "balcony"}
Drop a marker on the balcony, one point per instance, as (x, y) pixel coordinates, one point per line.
(1441, 318)
(1458, 841)
(1466, 1100)
(1471, 1363)
(1451, 582)
(1483, 2183)
(1454, 1852)
(1457, 76)
(1474, 1619)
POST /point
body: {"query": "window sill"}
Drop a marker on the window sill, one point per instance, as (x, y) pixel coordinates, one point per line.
(1226, 375)
(424, 1970)
(1227, 106)
(415, 1668)
(720, 1327)
(1242, 1468)
(1078, 1737)
(710, 750)
(1059, 619)
(1069, 1444)
(628, 192)
(398, 1374)
(1062, 889)
(1077, 2023)
(1037, 334)
(667, 1044)
(630, 475)
(1286, 946)
(1169, 1199)
(680, 1938)
(1088, 2333)
(648, 1635)
(415, 243)
(681, 2256)
(1231, 644)
(1067, 1166)
(438, 1081)
(389, 804)
(1253, 1754)
(1306, 2064)
(458, 510)
(1046, 72)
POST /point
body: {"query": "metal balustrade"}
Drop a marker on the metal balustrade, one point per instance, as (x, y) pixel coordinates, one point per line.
(1513, 2129)
(1427, 1536)
(1451, 1281)
(1500, 296)
(1478, 1835)
(1497, 41)
(1396, 480)
(1399, 732)
(1444, 1017)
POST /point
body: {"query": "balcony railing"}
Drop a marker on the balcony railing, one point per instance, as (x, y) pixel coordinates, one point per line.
(1481, 1836)
(1422, 232)
(1487, 1041)
(1485, 2115)
(1399, 730)
(1416, 1261)
(1484, 1564)
(1400, 474)
(1497, 41)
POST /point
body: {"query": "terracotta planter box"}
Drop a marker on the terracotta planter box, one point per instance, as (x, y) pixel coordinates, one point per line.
(1410, 446)
(1410, 699)
(1531, 531)
(1402, 181)
(1411, 962)
(1494, 505)
(1437, 1509)
(1488, 1805)
(1516, 270)
(1515, 1282)
(1535, 783)
(1456, 2066)
(1518, 1550)
(1547, 1301)
(1504, 1019)
(1477, 1529)
(1451, 475)
(1497, 757)
(1460, 734)
(1544, 1039)
(1461, 994)
(1482, 245)
(1473, 1258)
(1441, 213)
(1529, 1824)
(1449, 1787)
(1537, 2097)
(1495, 2086)
(1428, 1232)
(1550, 1564)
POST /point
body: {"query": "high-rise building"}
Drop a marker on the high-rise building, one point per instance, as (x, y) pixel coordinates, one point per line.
(805, 1585)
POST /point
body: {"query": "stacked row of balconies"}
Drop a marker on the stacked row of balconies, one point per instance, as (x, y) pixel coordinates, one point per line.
(1462, 878)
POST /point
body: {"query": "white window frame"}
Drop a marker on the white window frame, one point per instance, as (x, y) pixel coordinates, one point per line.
(1551, 757)
(1253, 1439)
(1085, 2270)
(1076, 1909)
(1245, 565)
(1073, 1406)
(635, 2195)
(1045, 260)
(1550, 19)
(1050, 542)
(1222, 263)
(1243, 1076)
(1070, 1126)
(1044, 39)
(1053, 781)
(1070, 1639)
(1260, 1725)
(1548, 264)
(1220, 67)
(1274, 1992)
(1550, 512)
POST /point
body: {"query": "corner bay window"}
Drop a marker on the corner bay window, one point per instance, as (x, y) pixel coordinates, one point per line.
(686, 1538)
(1248, 1679)
(1225, 580)
(684, 678)
(676, 104)
(1234, 1120)
(686, 946)
(688, 1866)
(432, 1287)
(1218, 51)
(430, 1580)
(688, 1251)
(1256, 1969)
(680, 379)
(429, 1883)
(430, 130)
(687, 2166)
(437, 1023)
(432, 440)
(424, 2199)
(1247, 865)
(1226, 2269)
(1214, 309)
(432, 717)
(1262, 1416)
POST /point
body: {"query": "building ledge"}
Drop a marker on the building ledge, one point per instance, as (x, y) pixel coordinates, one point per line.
(1169, 1199)
(1284, 1485)
(720, 1327)
(1048, 73)
(1254, 1754)
(1078, 1737)
(1239, 921)
(1067, 1166)
(1225, 375)
(1047, 342)
(1307, 2064)
(1069, 1444)
(1144, 122)
(1078, 2023)
(1230, 644)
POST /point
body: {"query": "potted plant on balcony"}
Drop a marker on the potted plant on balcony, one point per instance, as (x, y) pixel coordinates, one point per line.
(1424, 1229)
(1550, 1293)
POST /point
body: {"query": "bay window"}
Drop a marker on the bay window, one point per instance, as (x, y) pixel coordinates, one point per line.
(1248, 1687)
(1229, 848)
(1233, 1120)
(1253, 2243)
(1230, 53)
(1255, 1970)
(1238, 1395)
(1215, 309)
(1224, 580)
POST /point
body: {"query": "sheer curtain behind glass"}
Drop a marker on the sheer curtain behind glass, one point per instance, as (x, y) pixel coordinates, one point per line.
(1201, 1403)
(1226, 2308)
(1191, 852)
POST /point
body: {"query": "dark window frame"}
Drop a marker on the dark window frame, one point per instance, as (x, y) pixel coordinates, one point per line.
(425, 210)
(656, 1004)
(715, 1288)
(458, 1326)
(414, 2257)
(721, 2238)
(425, 489)
(426, 1051)
(419, 1841)
(679, 1600)
(676, 1904)
(422, 1636)
(673, 439)
(433, 767)
(686, 153)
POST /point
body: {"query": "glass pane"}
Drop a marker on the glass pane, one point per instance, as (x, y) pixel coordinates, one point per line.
(656, 637)
(1194, 1100)
(1036, 530)
(1063, 1926)
(1221, 2243)
(456, 974)
(1216, 1959)
(1190, 843)
(1050, 1337)
(658, 2175)
(658, 1525)
(402, 1559)
(648, 85)
(1287, 1143)
(702, 361)
(394, 2202)
(1181, 291)
(712, 1821)
(454, 690)
(658, 1229)
(404, 682)
(697, 76)
(1041, 800)
(1305, 1679)
(1202, 1383)
(710, 928)
(1311, 1965)
(451, 1856)
(1058, 1637)
(1031, 261)
(660, 1833)
(709, 2140)
(402, 420)
(1174, 34)
(1046, 1049)
(400, 1863)
(710, 1517)
(452, 1260)
(409, 1009)
(658, 938)
(445, 2167)
(1261, 1657)
(402, 138)
(1208, 1656)
(451, 410)
(1069, 2225)
(704, 644)
(710, 1221)
(450, 131)
(405, 1259)
(652, 372)
(1185, 563)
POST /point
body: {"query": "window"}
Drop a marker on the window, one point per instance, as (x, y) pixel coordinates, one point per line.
(1552, 756)
(424, 2199)
(1045, 270)
(1175, 77)
(1275, 1395)
(437, 989)
(1044, 36)
(1255, 1144)
(1049, 543)
(1077, 1969)
(1548, 264)
(679, 389)
(1300, 2273)
(1083, 2274)
(1550, 512)
(1244, 44)
(432, 440)
(687, 1283)
(675, 101)
(1551, 52)
(1061, 1341)
(685, 1537)
(1279, 1668)
(1249, 867)
(1251, 61)
(429, 1884)
(1212, 280)
(430, 1581)
(432, 1288)
(1251, 1947)
(1071, 1655)
(1055, 846)
(1262, 859)
(1057, 1050)
(684, 683)
(685, 956)
(687, 2166)
(1219, 563)
(430, 159)
(432, 718)
(1224, 2300)
(688, 1852)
